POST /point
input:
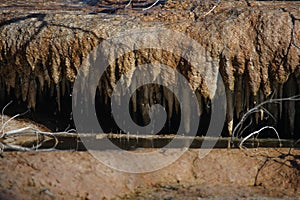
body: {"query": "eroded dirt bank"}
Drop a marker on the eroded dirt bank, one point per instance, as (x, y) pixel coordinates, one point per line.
(227, 174)
(255, 48)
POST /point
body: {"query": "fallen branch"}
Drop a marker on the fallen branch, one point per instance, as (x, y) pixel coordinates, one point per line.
(15, 139)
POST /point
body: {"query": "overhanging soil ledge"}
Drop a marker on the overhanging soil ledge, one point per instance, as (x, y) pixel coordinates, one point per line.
(255, 48)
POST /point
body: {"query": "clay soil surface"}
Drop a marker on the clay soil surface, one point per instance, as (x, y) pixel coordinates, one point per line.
(222, 174)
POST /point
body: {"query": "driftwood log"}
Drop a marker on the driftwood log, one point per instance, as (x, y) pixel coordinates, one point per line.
(256, 46)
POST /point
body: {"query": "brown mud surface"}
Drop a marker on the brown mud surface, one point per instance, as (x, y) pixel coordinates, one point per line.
(222, 174)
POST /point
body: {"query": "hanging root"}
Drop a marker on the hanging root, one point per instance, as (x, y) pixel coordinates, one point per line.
(2, 118)
(239, 130)
(257, 133)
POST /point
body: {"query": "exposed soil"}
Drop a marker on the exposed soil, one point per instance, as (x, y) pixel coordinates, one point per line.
(222, 174)
(264, 173)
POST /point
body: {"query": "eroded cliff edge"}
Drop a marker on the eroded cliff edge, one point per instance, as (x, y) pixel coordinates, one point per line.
(256, 48)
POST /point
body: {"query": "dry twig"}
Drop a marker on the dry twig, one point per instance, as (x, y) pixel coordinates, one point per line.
(212, 8)
(28, 131)
(238, 131)
(130, 2)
